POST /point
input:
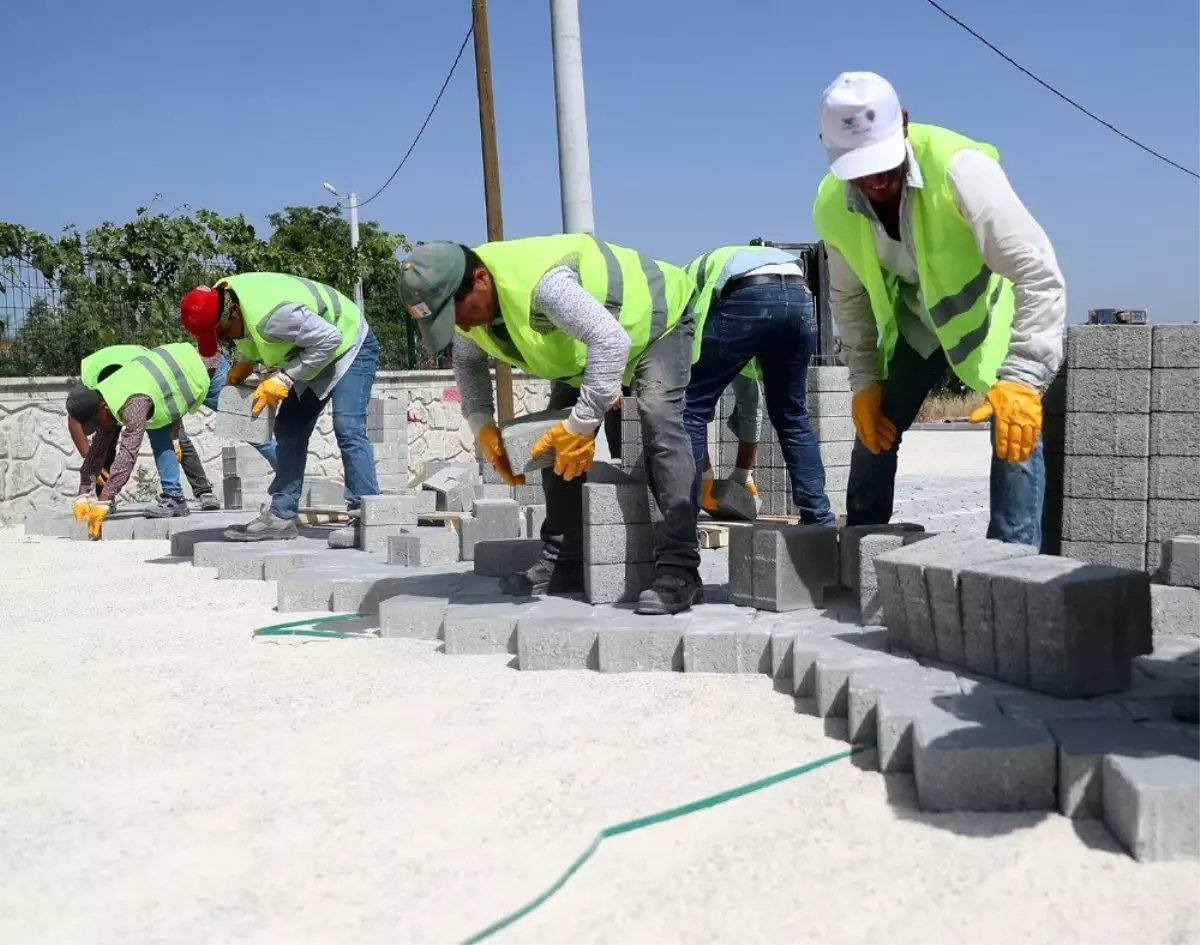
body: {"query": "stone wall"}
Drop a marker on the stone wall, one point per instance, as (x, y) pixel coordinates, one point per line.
(39, 468)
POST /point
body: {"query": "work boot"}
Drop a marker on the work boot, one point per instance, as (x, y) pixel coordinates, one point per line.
(267, 527)
(168, 506)
(209, 502)
(348, 535)
(674, 590)
(545, 577)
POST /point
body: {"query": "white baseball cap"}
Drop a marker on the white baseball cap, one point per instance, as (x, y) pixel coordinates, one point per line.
(862, 125)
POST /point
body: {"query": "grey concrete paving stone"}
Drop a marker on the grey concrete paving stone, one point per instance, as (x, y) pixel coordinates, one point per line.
(1108, 391)
(1083, 745)
(374, 539)
(1114, 554)
(823, 638)
(1174, 611)
(1123, 347)
(741, 566)
(535, 515)
(980, 761)
(829, 403)
(642, 644)
(503, 556)
(389, 510)
(1181, 561)
(560, 635)
(865, 549)
(1084, 628)
(1174, 477)
(1152, 805)
(712, 646)
(835, 452)
(481, 628)
(793, 564)
(521, 433)
(831, 682)
(246, 562)
(1175, 390)
(183, 542)
(418, 614)
(1174, 434)
(493, 490)
(1171, 517)
(895, 715)
(832, 429)
(423, 547)
(1104, 521)
(1106, 477)
(869, 683)
(1033, 707)
(849, 542)
(616, 583)
(614, 544)
(783, 634)
(827, 377)
(891, 592)
(616, 504)
(1176, 346)
(734, 501)
(452, 487)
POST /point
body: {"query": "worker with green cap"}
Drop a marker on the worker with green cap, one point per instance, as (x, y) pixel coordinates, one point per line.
(323, 352)
(588, 316)
(154, 391)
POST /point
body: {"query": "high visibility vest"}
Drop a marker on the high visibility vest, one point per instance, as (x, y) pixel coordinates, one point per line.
(114, 356)
(647, 297)
(971, 307)
(705, 271)
(261, 294)
(173, 377)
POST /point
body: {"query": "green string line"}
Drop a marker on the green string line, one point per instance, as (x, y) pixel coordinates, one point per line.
(649, 821)
(304, 628)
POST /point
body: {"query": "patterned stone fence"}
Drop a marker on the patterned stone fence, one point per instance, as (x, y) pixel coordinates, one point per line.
(39, 467)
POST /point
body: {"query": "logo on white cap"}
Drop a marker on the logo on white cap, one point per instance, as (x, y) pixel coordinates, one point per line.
(862, 125)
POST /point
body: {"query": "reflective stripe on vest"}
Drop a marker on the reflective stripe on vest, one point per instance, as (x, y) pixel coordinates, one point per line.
(173, 397)
(615, 294)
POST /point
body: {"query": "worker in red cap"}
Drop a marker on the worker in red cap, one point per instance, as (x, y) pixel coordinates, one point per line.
(323, 351)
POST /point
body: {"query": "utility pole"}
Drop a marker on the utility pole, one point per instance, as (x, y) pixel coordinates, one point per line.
(574, 165)
(358, 290)
(491, 173)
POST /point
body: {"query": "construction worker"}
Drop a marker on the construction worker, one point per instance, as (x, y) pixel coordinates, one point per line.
(82, 413)
(935, 265)
(325, 352)
(744, 422)
(589, 316)
(151, 392)
(754, 315)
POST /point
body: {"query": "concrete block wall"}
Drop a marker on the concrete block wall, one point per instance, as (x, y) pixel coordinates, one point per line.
(829, 412)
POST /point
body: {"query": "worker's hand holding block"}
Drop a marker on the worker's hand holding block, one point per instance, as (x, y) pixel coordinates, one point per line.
(520, 435)
(234, 419)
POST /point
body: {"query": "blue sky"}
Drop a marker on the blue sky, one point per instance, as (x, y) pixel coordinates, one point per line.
(702, 117)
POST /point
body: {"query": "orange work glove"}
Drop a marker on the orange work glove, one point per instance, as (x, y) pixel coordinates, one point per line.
(493, 451)
(81, 507)
(239, 372)
(573, 452)
(877, 432)
(270, 393)
(178, 451)
(95, 518)
(1016, 414)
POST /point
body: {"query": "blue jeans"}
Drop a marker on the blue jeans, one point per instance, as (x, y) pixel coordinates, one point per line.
(777, 325)
(298, 417)
(1017, 489)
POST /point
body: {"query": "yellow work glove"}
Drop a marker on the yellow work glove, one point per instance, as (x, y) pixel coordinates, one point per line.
(81, 507)
(178, 451)
(1016, 412)
(493, 451)
(95, 518)
(270, 393)
(877, 432)
(239, 372)
(573, 452)
(102, 478)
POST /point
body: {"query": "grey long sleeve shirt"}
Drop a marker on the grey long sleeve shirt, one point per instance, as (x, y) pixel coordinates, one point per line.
(559, 301)
(315, 341)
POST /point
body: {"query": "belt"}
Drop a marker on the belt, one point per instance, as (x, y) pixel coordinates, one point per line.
(763, 278)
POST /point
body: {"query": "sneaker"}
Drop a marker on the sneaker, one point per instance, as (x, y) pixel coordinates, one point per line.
(346, 536)
(168, 506)
(673, 591)
(267, 527)
(209, 502)
(545, 577)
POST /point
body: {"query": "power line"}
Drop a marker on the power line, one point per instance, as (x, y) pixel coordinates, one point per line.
(1162, 157)
(425, 123)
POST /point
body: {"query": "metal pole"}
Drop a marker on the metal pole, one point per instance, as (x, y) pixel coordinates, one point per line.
(491, 173)
(574, 165)
(358, 290)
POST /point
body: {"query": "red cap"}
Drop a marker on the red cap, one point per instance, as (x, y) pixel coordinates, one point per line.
(200, 311)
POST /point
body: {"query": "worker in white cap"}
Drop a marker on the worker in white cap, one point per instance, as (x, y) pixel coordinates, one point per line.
(935, 265)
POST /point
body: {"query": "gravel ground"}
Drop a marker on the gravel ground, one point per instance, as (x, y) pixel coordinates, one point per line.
(167, 778)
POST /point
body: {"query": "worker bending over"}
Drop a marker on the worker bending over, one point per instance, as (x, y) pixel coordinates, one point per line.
(587, 315)
(753, 305)
(325, 352)
(934, 263)
(744, 422)
(151, 392)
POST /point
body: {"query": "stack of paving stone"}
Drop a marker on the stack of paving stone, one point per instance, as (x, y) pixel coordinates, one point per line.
(828, 404)
(387, 429)
(383, 517)
(234, 420)
(782, 567)
(491, 520)
(247, 477)
(1175, 597)
(618, 537)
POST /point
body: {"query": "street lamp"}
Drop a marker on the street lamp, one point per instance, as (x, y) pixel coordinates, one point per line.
(352, 200)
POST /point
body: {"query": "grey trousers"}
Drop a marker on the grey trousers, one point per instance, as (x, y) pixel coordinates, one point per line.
(659, 383)
(193, 469)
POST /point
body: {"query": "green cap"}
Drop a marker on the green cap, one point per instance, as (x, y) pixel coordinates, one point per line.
(429, 279)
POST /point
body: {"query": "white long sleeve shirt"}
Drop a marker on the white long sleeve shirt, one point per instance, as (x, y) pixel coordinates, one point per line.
(315, 342)
(1012, 245)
